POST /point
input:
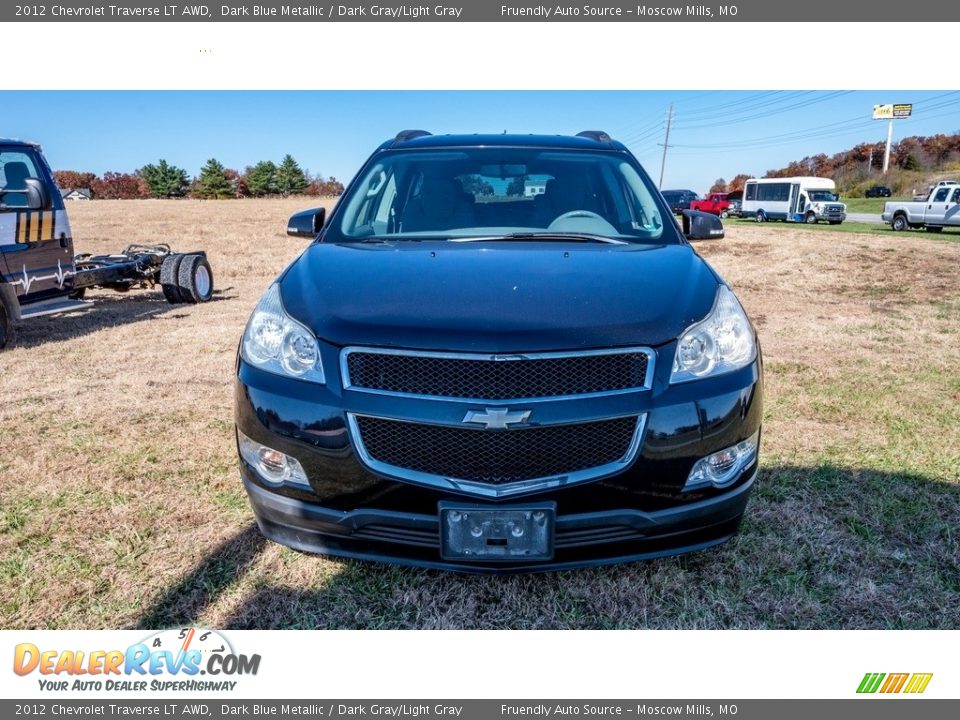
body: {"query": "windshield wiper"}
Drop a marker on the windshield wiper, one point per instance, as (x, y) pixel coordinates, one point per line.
(547, 235)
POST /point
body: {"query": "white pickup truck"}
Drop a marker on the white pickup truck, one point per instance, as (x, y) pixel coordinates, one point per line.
(941, 209)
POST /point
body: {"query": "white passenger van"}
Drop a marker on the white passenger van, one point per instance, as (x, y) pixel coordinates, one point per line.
(794, 199)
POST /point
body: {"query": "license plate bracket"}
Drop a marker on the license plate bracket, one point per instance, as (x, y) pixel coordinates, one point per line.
(485, 533)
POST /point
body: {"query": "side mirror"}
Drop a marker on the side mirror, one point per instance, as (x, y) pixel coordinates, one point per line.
(701, 226)
(38, 198)
(307, 223)
(35, 194)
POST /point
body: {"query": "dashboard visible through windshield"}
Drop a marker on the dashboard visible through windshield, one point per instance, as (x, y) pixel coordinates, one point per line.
(495, 191)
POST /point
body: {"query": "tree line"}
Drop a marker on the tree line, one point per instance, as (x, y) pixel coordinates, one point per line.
(215, 182)
(859, 167)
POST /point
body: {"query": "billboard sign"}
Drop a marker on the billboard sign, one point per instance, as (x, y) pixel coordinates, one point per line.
(892, 112)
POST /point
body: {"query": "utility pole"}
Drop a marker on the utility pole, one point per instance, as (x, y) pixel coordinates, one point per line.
(666, 144)
(886, 155)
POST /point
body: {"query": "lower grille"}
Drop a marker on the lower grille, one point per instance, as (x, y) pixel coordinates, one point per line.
(565, 538)
(496, 459)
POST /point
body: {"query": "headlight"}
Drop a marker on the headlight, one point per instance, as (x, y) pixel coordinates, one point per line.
(275, 342)
(721, 342)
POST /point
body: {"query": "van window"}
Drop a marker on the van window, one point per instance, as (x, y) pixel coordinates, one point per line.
(15, 168)
(774, 192)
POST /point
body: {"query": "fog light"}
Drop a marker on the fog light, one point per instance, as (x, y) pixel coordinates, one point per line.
(724, 466)
(274, 467)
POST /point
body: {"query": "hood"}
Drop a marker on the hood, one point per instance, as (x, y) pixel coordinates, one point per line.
(498, 297)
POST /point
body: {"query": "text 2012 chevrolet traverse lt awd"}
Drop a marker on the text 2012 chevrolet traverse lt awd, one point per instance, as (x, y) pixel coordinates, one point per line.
(500, 354)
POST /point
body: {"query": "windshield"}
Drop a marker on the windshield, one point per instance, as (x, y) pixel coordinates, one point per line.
(822, 196)
(496, 191)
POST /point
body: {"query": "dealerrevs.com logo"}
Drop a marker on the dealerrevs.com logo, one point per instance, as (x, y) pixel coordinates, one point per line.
(890, 683)
(170, 660)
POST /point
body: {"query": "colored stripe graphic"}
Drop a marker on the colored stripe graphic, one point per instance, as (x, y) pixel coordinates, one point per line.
(35, 226)
(894, 683)
(870, 682)
(918, 683)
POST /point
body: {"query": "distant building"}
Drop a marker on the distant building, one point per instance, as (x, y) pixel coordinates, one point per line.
(532, 188)
(77, 194)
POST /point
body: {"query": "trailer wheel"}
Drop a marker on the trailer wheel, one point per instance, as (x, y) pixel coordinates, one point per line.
(169, 274)
(195, 279)
(6, 327)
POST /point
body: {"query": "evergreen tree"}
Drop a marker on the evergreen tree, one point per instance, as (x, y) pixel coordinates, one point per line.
(165, 180)
(262, 178)
(213, 182)
(291, 180)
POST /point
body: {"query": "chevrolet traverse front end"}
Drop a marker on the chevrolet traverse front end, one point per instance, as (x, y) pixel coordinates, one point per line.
(499, 354)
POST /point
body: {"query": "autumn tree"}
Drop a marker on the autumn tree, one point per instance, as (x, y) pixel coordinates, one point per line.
(120, 186)
(326, 188)
(290, 178)
(213, 183)
(237, 182)
(165, 180)
(719, 186)
(738, 182)
(71, 179)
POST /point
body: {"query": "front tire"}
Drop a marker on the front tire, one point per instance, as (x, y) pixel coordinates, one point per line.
(6, 327)
(724, 215)
(810, 219)
(899, 223)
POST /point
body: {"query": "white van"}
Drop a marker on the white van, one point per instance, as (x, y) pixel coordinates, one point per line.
(794, 199)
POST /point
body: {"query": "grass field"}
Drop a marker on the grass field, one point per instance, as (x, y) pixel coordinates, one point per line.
(849, 227)
(121, 506)
(870, 205)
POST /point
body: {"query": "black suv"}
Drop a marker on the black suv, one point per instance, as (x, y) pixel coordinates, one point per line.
(499, 353)
(878, 191)
(679, 200)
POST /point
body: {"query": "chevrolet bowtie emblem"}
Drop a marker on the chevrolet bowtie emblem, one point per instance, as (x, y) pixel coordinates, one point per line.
(496, 418)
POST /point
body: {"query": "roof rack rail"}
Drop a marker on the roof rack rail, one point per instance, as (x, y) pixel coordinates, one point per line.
(598, 135)
(405, 135)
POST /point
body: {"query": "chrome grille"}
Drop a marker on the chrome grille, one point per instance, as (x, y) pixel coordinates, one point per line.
(496, 462)
(496, 377)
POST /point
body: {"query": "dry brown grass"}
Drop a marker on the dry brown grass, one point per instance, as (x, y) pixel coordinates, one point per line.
(121, 504)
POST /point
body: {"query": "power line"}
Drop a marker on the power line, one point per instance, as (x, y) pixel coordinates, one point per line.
(763, 115)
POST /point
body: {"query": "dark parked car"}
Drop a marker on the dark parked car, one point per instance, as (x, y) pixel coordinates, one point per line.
(499, 354)
(736, 203)
(679, 200)
(878, 191)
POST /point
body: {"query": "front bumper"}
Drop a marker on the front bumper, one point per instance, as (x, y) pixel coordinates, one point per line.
(352, 508)
(582, 539)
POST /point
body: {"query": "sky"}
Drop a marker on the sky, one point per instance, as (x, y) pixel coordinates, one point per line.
(713, 134)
